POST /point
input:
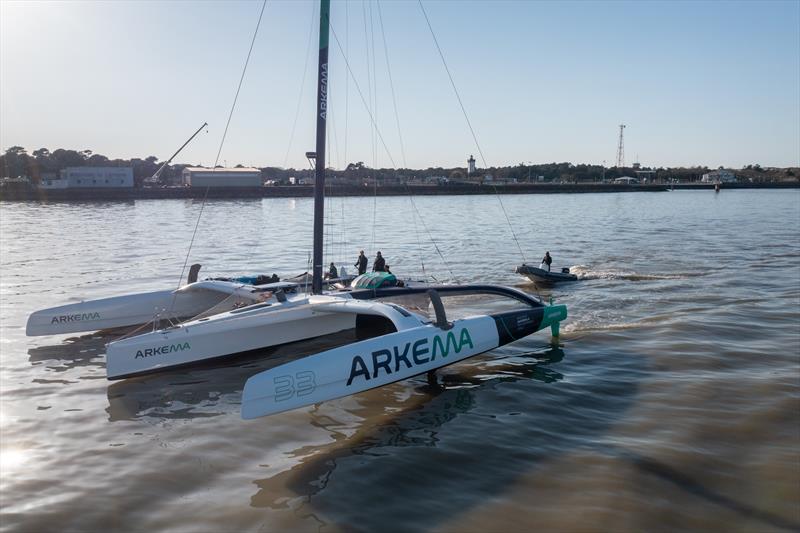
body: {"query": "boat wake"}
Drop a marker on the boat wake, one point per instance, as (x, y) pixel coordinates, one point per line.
(588, 327)
(586, 273)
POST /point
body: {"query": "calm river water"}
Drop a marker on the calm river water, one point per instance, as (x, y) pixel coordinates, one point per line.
(674, 402)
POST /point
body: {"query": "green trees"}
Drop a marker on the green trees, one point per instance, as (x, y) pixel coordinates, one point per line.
(15, 162)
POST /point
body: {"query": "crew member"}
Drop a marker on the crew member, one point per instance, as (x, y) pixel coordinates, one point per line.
(546, 260)
(332, 272)
(379, 265)
(361, 263)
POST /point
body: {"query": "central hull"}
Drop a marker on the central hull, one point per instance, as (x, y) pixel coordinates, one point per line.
(230, 333)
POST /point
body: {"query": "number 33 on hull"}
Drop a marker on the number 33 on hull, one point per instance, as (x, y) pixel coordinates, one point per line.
(418, 347)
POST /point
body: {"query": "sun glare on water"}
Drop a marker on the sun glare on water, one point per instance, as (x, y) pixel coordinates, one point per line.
(11, 460)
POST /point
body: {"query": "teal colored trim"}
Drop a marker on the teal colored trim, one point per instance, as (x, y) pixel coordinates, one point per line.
(553, 315)
(374, 280)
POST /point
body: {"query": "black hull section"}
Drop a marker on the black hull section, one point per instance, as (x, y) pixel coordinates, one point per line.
(514, 325)
(449, 290)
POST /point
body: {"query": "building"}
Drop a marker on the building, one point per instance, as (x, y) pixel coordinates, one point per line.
(719, 176)
(470, 165)
(646, 176)
(221, 177)
(90, 177)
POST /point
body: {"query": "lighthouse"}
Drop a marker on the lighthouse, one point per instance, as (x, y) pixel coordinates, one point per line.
(470, 165)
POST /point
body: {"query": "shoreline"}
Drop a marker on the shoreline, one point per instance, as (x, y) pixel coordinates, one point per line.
(26, 194)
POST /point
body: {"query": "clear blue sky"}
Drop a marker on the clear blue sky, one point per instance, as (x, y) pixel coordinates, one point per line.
(697, 83)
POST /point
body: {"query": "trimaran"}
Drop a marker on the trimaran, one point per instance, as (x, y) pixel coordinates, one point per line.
(399, 343)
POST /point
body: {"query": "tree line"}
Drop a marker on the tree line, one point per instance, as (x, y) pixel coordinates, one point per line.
(43, 163)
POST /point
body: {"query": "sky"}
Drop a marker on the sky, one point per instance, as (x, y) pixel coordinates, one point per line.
(696, 83)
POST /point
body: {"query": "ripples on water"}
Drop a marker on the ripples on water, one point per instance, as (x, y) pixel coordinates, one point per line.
(673, 402)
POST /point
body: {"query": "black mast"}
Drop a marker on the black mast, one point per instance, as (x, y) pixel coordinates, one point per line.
(322, 114)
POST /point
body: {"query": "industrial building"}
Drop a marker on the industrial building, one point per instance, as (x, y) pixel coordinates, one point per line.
(90, 177)
(719, 176)
(221, 177)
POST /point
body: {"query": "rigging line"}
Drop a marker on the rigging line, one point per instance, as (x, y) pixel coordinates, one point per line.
(369, 79)
(452, 83)
(436, 246)
(370, 70)
(345, 164)
(471, 129)
(391, 85)
(219, 151)
(346, 78)
(326, 219)
(343, 241)
(375, 111)
(510, 226)
(330, 250)
(302, 85)
(420, 255)
(327, 216)
(374, 88)
(374, 204)
(399, 129)
(361, 96)
(334, 135)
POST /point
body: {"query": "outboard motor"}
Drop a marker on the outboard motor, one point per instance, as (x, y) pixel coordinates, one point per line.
(565, 270)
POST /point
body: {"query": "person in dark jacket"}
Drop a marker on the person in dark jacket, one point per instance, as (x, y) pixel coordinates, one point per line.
(546, 260)
(361, 263)
(379, 265)
(332, 272)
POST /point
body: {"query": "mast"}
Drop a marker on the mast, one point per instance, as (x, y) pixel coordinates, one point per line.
(322, 114)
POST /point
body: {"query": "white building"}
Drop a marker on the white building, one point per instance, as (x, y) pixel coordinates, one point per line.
(221, 177)
(719, 176)
(470, 165)
(90, 177)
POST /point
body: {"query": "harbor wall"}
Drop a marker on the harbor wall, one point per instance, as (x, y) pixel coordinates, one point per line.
(27, 193)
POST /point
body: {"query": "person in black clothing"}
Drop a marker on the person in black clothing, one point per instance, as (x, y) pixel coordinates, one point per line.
(332, 272)
(379, 265)
(547, 260)
(361, 263)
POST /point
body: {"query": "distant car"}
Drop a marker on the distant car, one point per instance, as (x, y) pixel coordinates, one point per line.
(627, 181)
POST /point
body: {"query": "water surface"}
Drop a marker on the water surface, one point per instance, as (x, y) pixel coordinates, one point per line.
(674, 401)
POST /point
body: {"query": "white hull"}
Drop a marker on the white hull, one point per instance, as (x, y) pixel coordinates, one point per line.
(240, 330)
(134, 309)
(365, 365)
(417, 346)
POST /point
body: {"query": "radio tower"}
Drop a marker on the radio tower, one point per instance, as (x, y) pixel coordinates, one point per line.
(621, 148)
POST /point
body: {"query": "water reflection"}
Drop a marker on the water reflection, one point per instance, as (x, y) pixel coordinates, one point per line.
(205, 390)
(418, 423)
(74, 352)
(697, 487)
